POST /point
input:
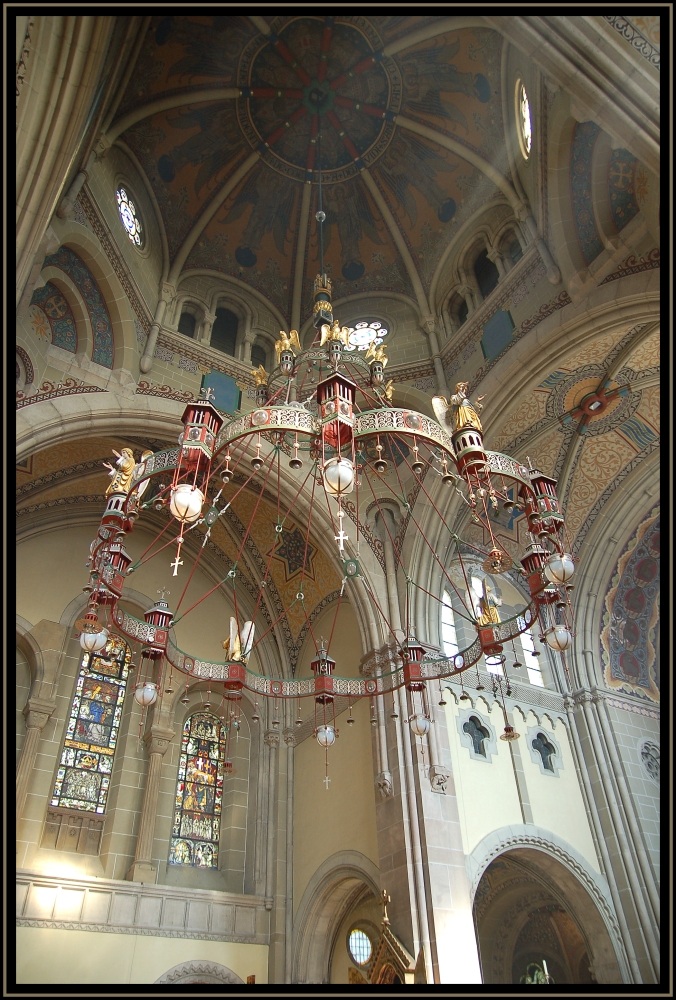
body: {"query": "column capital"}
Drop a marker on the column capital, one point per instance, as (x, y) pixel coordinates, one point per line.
(271, 739)
(37, 711)
(428, 324)
(157, 739)
(290, 738)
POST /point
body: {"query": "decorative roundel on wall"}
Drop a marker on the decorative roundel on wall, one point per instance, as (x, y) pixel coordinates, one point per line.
(129, 217)
(523, 119)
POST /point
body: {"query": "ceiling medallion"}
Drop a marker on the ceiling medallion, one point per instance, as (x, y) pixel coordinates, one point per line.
(315, 76)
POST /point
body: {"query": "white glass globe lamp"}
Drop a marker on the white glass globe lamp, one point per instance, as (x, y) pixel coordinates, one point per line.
(145, 693)
(338, 476)
(325, 736)
(559, 568)
(186, 503)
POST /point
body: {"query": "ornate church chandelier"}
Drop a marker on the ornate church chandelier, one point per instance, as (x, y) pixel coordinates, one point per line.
(324, 433)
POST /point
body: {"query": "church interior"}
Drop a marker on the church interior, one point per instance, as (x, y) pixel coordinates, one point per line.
(338, 499)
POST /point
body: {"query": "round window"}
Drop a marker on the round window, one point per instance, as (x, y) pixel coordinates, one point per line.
(360, 946)
(129, 217)
(363, 334)
(523, 119)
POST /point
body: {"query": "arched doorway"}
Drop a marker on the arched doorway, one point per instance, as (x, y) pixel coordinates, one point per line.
(530, 907)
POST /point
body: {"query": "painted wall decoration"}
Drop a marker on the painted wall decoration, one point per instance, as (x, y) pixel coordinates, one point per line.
(52, 318)
(631, 617)
(99, 317)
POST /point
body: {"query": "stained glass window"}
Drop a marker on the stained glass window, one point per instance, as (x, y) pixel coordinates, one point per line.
(524, 120)
(83, 776)
(130, 218)
(363, 334)
(199, 792)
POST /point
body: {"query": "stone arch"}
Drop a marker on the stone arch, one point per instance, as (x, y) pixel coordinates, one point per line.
(337, 886)
(30, 649)
(517, 873)
(200, 972)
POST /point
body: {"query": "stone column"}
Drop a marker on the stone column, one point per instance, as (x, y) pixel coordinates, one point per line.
(496, 257)
(469, 289)
(291, 743)
(206, 326)
(247, 344)
(553, 273)
(36, 712)
(278, 916)
(429, 327)
(166, 295)
(157, 741)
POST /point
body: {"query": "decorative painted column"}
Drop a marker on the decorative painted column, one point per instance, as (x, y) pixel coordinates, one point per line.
(166, 295)
(36, 712)
(157, 741)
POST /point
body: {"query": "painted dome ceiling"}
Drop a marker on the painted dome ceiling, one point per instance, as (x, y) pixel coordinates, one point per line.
(247, 128)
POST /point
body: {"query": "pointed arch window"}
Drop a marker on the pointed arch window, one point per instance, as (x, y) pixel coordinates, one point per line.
(545, 749)
(86, 764)
(449, 636)
(199, 792)
(477, 733)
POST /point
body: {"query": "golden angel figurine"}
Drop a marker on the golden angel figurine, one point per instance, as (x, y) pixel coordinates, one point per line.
(287, 342)
(459, 411)
(259, 375)
(121, 473)
(238, 645)
(389, 390)
(376, 352)
(124, 470)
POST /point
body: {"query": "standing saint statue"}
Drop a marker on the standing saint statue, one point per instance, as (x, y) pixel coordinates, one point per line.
(488, 606)
(458, 412)
(463, 412)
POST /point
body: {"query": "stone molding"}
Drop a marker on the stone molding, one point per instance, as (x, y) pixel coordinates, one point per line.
(116, 907)
(200, 972)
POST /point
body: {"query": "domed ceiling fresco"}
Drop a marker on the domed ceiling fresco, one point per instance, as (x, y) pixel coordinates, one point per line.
(247, 128)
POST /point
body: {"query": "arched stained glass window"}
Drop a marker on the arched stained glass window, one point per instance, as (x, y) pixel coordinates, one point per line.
(199, 792)
(83, 775)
